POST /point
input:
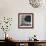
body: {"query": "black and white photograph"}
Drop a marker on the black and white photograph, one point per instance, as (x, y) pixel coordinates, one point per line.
(25, 20)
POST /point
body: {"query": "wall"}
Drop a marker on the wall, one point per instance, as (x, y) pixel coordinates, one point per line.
(11, 8)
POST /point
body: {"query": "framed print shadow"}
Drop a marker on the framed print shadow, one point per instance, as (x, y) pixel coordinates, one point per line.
(25, 20)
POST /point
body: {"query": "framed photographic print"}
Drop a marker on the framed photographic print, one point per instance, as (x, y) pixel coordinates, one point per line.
(25, 20)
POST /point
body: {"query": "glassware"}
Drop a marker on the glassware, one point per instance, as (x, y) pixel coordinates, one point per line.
(36, 3)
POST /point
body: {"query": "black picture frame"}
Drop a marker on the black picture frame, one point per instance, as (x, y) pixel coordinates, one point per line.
(25, 20)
